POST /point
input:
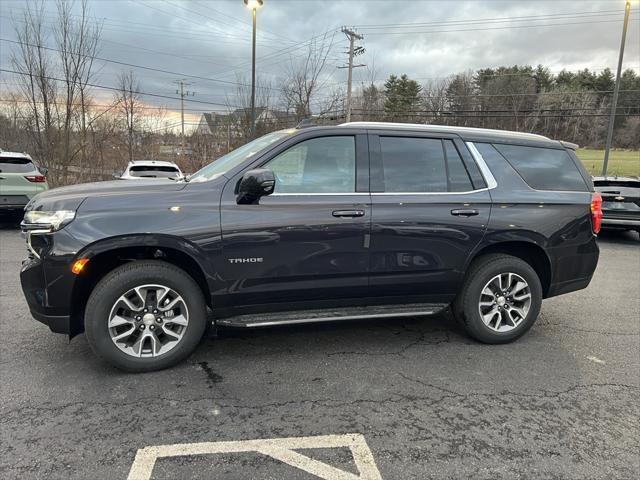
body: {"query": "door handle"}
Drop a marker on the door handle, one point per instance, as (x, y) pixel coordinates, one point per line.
(348, 213)
(3, 178)
(464, 212)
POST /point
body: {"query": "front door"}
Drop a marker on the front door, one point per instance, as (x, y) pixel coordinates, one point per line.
(430, 208)
(307, 242)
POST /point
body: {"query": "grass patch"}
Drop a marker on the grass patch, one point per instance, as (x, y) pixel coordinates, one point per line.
(621, 162)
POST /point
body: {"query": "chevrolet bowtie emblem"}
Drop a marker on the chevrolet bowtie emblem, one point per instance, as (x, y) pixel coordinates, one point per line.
(619, 198)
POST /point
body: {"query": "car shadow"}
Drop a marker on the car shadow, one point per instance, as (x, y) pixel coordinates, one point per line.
(10, 220)
(618, 237)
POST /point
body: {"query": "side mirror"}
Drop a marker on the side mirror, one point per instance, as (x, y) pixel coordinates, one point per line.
(117, 175)
(255, 184)
(43, 170)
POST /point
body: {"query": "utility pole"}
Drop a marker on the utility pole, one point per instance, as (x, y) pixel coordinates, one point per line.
(353, 51)
(253, 77)
(183, 93)
(614, 101)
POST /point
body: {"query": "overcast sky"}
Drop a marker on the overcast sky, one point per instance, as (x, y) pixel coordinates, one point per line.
(212, 39)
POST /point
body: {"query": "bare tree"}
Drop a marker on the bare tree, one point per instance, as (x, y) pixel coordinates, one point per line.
(77, 41)
(35, 77)
(54, 102)
(237, 125)
(303, 77)
(434, 98)
(127, 99)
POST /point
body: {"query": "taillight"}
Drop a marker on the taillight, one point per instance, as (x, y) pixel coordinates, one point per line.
(596, 212)
(36, 178)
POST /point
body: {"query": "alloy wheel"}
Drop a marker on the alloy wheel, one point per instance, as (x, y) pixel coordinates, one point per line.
(504, 302)
(148, 321)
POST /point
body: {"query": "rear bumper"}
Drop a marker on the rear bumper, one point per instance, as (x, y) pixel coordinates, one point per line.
(569, 286)
(13, 202)
(573, 267)
(620, 222)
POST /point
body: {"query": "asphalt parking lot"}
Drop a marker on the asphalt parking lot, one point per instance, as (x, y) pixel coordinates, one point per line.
(563, 402)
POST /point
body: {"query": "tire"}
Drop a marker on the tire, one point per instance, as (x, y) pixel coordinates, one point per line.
(187, 320)
(510, 325)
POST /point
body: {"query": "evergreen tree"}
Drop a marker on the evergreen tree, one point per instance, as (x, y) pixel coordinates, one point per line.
(402, 97)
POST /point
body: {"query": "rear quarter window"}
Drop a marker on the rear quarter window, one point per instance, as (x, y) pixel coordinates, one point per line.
(16, 165)
(544, 168)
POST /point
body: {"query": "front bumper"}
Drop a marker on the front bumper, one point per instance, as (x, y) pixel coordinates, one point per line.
(55, 324)
(47, 281)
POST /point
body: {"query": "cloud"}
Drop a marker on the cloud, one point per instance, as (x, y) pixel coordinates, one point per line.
(212, 40)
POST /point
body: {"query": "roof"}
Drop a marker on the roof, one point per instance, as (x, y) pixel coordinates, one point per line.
(470, 133)
(6, 154)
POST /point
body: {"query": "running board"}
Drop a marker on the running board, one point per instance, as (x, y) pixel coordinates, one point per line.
(330, 315)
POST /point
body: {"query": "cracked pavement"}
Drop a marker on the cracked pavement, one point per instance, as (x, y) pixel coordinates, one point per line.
(562, 402)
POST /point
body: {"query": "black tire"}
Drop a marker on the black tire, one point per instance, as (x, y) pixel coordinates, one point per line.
(126, 277)
(482, 270)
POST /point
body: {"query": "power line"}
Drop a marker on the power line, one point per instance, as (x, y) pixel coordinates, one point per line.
(492, 28)
(568, 15)
(200, 14)
(133, 65)
(155, 95)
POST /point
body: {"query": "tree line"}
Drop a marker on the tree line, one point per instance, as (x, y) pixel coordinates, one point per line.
(571, 106)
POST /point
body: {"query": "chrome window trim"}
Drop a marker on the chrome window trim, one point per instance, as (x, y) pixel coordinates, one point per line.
(323, 193)
(484, 169)
(431, 193)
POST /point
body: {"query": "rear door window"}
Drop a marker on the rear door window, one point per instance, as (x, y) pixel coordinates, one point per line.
(16, 165)
(457, 175)
(544, 168)
(422, 165)
(413, 165)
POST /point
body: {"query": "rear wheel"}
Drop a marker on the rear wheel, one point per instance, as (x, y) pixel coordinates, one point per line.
(500, 299)
(145, 316)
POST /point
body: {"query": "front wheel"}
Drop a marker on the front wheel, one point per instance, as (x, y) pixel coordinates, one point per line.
(144, 316)
(500, 299)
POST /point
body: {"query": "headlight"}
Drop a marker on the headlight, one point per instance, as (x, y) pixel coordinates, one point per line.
(52, 221)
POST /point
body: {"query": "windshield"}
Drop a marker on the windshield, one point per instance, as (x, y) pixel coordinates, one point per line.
(227, 162)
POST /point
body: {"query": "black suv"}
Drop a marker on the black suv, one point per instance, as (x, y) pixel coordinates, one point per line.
(361, 220)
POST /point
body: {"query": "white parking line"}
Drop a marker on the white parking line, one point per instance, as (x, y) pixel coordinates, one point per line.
(281, 449)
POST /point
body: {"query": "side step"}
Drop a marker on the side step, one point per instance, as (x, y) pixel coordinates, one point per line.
(330, 315)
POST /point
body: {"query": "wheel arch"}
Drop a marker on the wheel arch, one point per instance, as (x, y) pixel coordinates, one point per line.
(108, 254)
(527, 250)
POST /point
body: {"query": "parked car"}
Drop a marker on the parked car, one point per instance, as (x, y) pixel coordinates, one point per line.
(361, 220)
(620, 202)
(140, 169)
(20, 180)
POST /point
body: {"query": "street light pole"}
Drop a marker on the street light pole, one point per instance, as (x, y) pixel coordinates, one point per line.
(253, 5)
(616, 89)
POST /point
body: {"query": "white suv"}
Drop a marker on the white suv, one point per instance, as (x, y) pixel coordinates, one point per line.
(141, 169)
(20, 180)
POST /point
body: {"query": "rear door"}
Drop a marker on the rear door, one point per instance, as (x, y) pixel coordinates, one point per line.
(430, 208)
(15, 188)
(306, 242)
